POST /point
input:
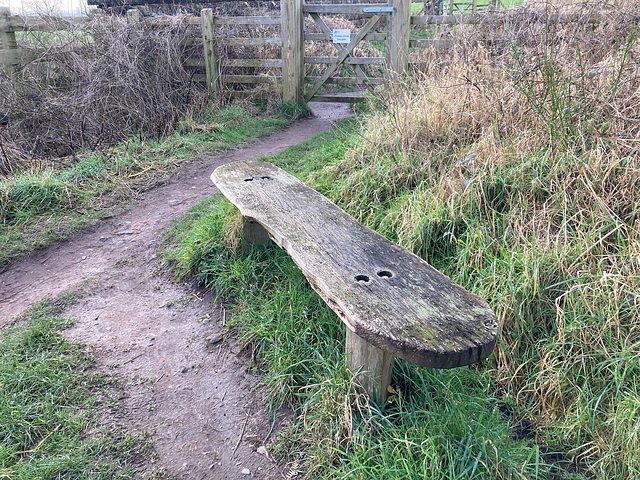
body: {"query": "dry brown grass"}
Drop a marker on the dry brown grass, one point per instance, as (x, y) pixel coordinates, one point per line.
(512, 163)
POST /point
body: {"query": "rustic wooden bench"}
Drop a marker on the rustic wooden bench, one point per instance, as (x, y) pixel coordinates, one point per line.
(392, 302)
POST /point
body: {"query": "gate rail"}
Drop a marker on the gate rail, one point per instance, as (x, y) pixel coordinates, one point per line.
(218, 71)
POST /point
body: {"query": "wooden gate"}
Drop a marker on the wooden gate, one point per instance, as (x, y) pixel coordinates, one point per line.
(397, 13)
(345, 45)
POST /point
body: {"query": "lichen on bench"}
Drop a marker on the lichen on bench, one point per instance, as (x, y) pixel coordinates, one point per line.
(392, 302)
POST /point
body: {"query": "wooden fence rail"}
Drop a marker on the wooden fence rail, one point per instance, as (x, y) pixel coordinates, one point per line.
(221, 72)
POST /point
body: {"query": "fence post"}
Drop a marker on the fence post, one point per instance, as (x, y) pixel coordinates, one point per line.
(8, 43)
(292, 32)
(210, 58)
(398, 37)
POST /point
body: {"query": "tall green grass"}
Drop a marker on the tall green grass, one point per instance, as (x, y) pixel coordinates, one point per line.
(538, 218)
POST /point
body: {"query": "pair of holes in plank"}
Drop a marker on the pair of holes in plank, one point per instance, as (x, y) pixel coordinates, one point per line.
(251, 179)
(366, 279)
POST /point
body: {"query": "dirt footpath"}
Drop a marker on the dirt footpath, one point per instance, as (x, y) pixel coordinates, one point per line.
(185, 383)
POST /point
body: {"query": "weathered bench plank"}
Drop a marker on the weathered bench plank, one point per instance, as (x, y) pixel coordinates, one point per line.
(385, 294)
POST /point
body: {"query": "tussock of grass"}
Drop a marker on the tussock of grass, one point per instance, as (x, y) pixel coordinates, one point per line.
(49, 400)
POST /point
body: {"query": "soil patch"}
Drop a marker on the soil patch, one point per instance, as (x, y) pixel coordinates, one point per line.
(186, 383)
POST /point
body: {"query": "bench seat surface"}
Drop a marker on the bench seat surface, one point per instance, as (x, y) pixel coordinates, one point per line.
(385, 294)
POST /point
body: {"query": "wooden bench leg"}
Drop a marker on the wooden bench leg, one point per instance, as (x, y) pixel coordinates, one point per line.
(253, 234)
(373, 363)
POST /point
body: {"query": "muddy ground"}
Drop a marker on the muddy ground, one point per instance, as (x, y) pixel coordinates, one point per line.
(185, 382)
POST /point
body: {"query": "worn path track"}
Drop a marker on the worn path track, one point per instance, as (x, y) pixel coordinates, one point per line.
(189, 390)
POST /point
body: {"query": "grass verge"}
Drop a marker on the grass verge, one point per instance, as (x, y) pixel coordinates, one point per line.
(51, 424)
(51, 203)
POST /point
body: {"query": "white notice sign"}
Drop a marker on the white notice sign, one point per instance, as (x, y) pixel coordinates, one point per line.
(341, 35)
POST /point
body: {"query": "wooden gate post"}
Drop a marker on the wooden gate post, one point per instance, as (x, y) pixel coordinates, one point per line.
(8, 43)
(398, 40)
(292, 32)
(210, 58)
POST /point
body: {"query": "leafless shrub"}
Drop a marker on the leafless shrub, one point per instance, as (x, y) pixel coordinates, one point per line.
(88, 85)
